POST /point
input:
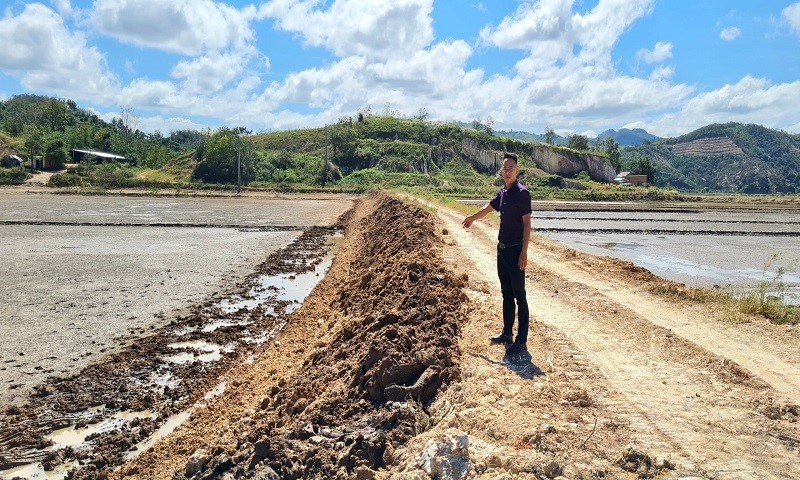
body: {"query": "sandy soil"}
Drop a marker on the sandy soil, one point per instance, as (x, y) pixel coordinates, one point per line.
(386, 372)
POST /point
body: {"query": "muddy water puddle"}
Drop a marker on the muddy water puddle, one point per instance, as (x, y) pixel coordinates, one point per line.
(169, 368)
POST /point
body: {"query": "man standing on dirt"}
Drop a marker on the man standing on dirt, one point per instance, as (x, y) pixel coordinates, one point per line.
(514, 204)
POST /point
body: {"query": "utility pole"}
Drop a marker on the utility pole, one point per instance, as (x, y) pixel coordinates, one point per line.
(325, 171)
(239, 164)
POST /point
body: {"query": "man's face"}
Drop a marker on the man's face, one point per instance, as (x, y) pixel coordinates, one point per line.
(509, 170)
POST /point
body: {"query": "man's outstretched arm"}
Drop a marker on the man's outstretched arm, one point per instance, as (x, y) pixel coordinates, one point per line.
(477, 215)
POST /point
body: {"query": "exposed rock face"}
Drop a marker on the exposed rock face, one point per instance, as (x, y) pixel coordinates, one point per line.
(566, 163)
(553, 160)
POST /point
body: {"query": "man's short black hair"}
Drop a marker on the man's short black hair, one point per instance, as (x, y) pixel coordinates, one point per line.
(511, 156)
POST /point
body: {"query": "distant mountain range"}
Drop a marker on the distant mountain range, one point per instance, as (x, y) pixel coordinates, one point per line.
(624, 137)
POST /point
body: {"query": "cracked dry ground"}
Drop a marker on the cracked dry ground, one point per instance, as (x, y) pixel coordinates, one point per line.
(386, 372)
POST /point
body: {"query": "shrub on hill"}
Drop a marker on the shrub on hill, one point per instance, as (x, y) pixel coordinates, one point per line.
(13, 176)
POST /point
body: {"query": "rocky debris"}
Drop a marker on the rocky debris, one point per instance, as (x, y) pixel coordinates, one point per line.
(196, 463)
(635, 461)
(777, 411)
(447, 458)
(552, 470)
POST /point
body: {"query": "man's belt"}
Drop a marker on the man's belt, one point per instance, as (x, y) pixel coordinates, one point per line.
(509, 244)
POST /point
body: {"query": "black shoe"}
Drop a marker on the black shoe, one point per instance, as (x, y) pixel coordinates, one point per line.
(516, 348)
(502, 338)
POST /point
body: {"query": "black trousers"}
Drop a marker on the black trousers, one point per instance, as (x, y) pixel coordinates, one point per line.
(512, 285)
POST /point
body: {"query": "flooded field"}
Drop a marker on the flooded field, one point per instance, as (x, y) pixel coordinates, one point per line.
(735, 249)
(120, 313)
(83, 274)
(699, 246)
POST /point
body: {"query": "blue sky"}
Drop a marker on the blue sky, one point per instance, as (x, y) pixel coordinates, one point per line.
(669, 66)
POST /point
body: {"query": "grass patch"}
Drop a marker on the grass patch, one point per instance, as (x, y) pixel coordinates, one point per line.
(769, 298)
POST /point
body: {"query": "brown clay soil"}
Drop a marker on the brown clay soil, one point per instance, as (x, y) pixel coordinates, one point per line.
(386, 372)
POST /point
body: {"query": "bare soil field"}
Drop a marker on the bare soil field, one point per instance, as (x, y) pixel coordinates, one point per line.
(386, 372)
(708, 146)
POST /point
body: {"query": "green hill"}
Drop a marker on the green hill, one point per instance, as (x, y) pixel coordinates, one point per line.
(730, 157)
(371, 150)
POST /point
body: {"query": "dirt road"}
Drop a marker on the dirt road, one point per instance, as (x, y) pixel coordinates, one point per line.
(715, 397)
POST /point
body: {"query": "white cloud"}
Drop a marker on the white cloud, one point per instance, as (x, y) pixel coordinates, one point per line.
(559, 38)
(212, 72)
(662, 73)
(569, 78)
(531, 24)
(792, 16)
(730, 33)
(45, 56)
(661, 52)
(423, 73)
(63, 6)
(190, 27)
(751, 100)
(599, 30)
(378, 30)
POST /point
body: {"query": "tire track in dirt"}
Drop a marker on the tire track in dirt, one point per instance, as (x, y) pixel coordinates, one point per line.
(764, 357)
(680, 400)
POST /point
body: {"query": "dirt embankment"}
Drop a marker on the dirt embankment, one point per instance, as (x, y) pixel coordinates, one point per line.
(351, 377)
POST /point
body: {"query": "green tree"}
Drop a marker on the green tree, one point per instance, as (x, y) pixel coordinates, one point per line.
(55, 152)
(578, 142)
(611, 147)
(156, 156)
(549, 136)
(343, 140)
(643, 166)
(80, 136)
(34, 140)
(102, 139)
(54, 117)
(220, 158)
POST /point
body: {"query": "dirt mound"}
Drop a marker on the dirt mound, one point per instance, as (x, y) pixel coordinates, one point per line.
(708, 146)
(365, 393)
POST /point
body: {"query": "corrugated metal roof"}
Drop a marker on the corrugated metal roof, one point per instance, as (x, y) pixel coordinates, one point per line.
(98, 153)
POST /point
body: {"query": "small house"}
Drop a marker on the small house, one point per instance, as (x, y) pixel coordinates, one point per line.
(626, 178)
(43, 163)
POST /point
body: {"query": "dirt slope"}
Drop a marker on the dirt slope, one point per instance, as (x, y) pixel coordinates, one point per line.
(386, 372)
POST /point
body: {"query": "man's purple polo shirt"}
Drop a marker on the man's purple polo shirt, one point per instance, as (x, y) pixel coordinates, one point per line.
(512, 203)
